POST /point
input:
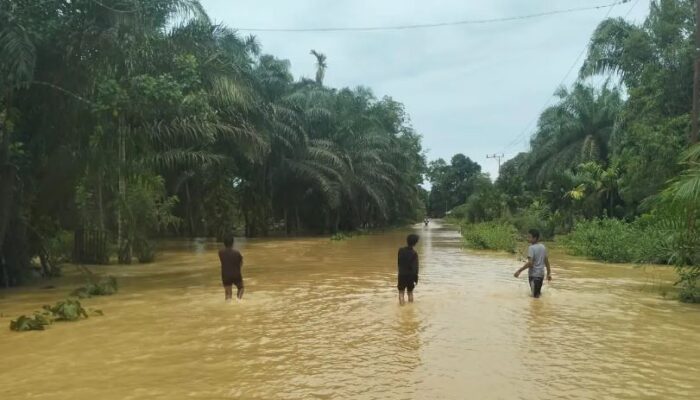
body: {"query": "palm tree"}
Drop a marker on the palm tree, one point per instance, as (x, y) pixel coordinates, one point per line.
(575, 131)
(320, 66)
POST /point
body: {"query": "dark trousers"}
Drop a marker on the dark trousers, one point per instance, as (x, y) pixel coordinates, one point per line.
(536, 285)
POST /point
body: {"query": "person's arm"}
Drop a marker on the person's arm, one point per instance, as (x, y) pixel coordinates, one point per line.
(549, 271)
(528, 264)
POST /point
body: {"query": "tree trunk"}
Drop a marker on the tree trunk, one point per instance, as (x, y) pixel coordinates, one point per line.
(287, 227)
(8, 177)
(124, 245)
(100, 203)
(189, 208)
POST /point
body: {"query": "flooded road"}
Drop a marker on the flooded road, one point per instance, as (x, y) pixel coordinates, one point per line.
(320, 320)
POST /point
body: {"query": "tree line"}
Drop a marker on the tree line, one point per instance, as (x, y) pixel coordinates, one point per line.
(143, 118)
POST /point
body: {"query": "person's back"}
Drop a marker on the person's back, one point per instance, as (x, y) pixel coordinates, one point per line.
(407, 268)
(231, 264)
(231, 260)
(538, 253)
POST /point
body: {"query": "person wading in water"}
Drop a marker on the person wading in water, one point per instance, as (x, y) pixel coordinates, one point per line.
(408, 269)
(231, 263)
(537, 260)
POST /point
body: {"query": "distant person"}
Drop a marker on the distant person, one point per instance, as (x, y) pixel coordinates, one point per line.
(231, 263)
(537, 260)
(408, 268)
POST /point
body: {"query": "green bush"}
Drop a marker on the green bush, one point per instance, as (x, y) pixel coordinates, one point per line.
(145, 252)
(613, 240)
(491, 236)
(60, 247)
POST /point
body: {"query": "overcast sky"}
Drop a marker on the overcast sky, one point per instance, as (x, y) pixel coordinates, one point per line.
(471, 89)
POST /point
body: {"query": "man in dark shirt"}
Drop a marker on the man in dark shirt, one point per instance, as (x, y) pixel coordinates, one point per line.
(231, 263)
(408, 269)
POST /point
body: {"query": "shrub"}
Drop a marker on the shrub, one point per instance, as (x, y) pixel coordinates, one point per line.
(613, 240)
(145, 252)
(60, 247)
(491, 236)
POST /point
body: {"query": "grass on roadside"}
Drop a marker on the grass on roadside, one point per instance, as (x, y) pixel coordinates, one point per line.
(491, 236)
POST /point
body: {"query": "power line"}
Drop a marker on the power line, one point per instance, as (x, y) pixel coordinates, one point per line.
(498, 157)
(433, 25)
(563, 81)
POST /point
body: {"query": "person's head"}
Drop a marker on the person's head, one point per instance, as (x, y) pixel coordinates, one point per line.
(533, 236)
(228, 240)
(411, 240)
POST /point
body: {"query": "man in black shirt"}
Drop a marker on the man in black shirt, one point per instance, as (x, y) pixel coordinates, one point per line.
(231, 263)
(408, 269)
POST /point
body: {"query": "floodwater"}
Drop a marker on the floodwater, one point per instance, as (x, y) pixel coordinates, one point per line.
(320, 320)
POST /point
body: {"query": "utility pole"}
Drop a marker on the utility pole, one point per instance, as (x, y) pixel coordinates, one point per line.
(501, 156)
(693, 137)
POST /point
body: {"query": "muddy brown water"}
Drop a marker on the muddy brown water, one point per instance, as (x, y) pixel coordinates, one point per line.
(320, 320)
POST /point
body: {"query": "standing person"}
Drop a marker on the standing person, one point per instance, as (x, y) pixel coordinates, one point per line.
(537, 260)
(408, 268)
(231, 263)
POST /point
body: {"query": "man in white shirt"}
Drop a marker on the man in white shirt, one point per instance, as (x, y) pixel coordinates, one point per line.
(537, 260)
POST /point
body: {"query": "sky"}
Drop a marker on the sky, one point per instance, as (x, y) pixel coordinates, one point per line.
(471, 89)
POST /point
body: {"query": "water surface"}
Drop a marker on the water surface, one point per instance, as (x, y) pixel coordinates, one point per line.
(320, 320)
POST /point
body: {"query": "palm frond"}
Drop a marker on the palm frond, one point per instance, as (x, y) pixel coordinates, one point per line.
(17, 53)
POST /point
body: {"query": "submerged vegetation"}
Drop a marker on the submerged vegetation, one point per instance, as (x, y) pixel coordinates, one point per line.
(65, 310)
(615, 166)
(127, 126)
(105, 287)
(69, 309)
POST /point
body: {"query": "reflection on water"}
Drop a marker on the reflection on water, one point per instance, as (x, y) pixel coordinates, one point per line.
(321, 320)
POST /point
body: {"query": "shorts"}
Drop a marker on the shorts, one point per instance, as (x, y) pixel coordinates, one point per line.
(228, 281)
(536, 285)
(407, 282)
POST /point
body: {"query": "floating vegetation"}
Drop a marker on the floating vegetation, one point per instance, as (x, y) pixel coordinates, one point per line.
(105, 287)
(347, 235)
(69, 309)
(33, 323)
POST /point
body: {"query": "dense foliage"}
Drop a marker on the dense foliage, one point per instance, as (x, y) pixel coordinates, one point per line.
(143, 118)
(491, 236)
(613, 164)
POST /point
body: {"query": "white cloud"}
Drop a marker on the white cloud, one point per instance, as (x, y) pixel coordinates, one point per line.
(470, 89)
